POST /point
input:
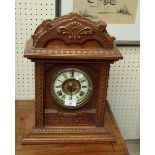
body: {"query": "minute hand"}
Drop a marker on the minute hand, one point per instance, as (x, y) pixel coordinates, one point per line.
(71, 91)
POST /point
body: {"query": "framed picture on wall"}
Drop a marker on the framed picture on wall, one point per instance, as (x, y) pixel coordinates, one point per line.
(121, 16)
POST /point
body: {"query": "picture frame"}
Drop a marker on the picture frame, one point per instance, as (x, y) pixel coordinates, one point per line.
(57, 8)
(125, 34)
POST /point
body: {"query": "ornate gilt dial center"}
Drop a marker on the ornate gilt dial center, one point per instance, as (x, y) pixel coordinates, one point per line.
(71, 86)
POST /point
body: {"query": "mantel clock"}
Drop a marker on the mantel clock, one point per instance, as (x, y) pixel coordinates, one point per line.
(72, 57)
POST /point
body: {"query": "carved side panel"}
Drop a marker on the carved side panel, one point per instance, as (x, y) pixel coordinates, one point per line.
(102, 93)
(70, 119)
(39, 81)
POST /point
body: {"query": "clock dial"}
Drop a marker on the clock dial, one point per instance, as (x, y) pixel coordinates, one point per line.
(71, 88)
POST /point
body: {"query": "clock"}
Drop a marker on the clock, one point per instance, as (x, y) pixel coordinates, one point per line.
(71, 88)
(72, 57)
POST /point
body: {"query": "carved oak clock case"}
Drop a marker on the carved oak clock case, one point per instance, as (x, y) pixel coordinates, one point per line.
(72, 58)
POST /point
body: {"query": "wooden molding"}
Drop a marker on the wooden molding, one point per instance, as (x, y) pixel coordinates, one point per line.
(97, 54)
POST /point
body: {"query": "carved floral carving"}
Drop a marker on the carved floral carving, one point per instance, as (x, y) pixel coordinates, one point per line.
(75, 30)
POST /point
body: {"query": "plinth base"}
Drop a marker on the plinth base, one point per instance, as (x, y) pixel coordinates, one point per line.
(25, 121)
(68, 135)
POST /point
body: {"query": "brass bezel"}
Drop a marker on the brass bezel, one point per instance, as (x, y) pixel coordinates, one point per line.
(81, 101)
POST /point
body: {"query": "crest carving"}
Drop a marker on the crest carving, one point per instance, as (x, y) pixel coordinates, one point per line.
(72, 28)
(75, 30)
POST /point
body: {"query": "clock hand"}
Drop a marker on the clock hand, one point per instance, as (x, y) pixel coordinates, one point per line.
(70, 88)
(71, 92)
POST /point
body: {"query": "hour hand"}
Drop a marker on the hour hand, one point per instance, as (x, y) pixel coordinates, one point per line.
(71, 90)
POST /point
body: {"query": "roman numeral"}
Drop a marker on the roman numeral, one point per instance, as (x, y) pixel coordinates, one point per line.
(77, 97)
(84, 86)
(64, 96)
(72, 73)
(58, 86)
(65, 76)
(81, 93)
(82, 80)
(59, 92)
(60, 81)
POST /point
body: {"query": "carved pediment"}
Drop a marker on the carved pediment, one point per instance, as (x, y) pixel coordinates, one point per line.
(75, 30)
(71, 29)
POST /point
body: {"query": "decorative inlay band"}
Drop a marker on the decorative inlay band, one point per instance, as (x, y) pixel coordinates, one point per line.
(107, 53)
(74, 130)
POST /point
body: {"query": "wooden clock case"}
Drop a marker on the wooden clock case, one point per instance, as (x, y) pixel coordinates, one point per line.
(70, 41)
